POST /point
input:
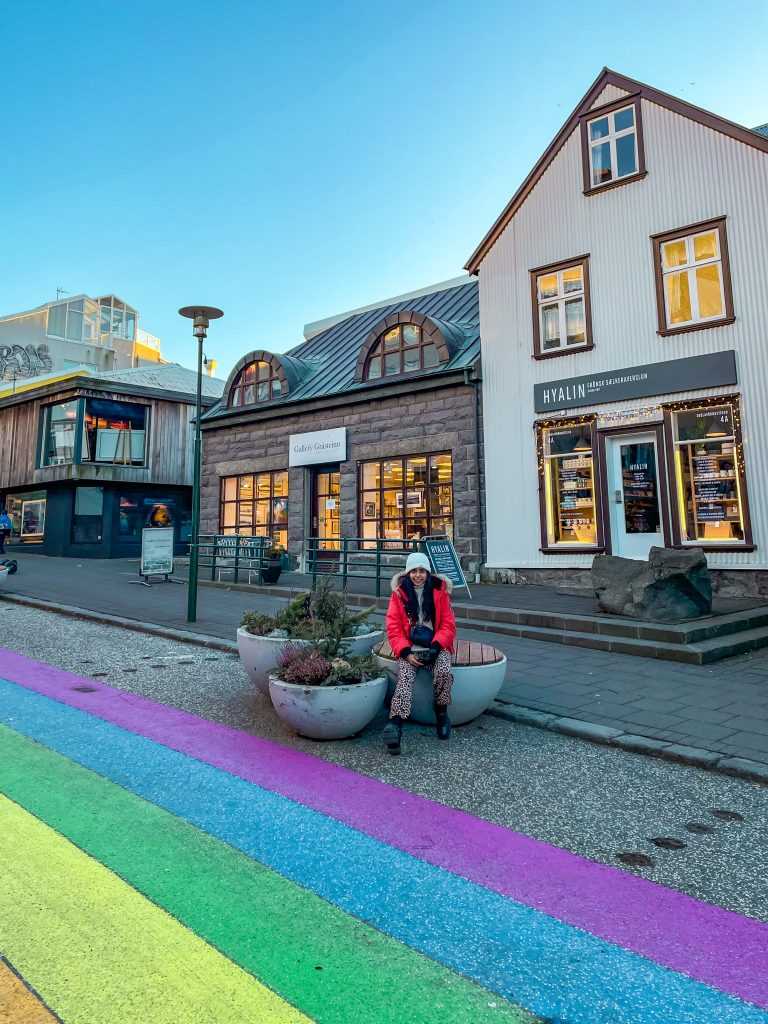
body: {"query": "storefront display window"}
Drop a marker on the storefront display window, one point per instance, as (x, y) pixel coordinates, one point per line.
(27, 515)
(87, 519)
(139, 510)
(59, 430)
(256, 505)
(407, 498)
(114, 432)
(709, 474)
(569, 492)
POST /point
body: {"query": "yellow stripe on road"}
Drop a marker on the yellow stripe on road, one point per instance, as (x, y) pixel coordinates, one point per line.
(100, 953)
(17, 1004)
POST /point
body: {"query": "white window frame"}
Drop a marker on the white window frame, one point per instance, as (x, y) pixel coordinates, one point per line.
(689, 268)
(611, 138)
(560, 301)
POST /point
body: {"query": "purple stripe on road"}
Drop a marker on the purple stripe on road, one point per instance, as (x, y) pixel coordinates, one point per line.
(705, 942)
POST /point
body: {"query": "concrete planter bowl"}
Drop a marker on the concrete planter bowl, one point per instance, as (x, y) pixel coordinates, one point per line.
(327, 712)
(475, 687)
(259, 654)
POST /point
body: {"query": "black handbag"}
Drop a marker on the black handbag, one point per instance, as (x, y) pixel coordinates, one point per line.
(422, 636)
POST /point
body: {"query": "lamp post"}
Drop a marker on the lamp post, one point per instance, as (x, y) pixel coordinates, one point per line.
(200, 317)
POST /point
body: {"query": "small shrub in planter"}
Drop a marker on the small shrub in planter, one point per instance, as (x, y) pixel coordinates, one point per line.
(319, 616)
(313, 666)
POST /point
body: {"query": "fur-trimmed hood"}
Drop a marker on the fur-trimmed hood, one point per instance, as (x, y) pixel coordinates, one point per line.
(399, 576)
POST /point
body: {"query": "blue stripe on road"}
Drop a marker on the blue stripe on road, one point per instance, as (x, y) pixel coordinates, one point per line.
(553, 969)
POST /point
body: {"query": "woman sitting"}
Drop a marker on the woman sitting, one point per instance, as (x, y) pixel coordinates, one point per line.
(422, 631)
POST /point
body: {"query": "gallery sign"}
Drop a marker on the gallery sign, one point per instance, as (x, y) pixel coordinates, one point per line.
(667, 378)
(317, 447)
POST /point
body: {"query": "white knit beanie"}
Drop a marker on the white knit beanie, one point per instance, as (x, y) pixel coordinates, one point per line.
(417, 561)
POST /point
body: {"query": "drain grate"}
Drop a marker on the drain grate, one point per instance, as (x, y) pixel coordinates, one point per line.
(699, 828)
(85, 689)
(635, 860)
(668, 843)
(722, 815)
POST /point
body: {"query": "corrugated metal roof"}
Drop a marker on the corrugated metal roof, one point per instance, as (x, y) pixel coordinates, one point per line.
(762, 129)
(331, 356)
(164, 377)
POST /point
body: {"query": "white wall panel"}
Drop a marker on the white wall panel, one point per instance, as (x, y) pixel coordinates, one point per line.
(694, 174)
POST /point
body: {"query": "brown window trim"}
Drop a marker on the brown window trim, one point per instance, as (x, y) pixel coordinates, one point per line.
(378, 351)
(716, 224)
(592, 115)
(271, 526)
(748, 543)
(662, 475)
(380, 518)
(546, 548)
(551, 268)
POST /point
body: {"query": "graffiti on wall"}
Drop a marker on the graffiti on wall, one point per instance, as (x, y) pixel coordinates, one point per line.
(30, 361)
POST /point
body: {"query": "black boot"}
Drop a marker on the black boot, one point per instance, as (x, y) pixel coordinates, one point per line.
(443, 723)
(393, 734)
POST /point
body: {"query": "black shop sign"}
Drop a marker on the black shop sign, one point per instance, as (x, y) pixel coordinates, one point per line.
(667, 378)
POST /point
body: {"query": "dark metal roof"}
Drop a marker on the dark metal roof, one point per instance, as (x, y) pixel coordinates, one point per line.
(762, 129)
(330, 358)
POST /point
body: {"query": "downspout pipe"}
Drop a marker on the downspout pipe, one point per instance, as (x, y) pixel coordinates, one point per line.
(475, 381)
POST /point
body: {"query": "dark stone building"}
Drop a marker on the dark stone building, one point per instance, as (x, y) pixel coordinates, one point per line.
(370, 429)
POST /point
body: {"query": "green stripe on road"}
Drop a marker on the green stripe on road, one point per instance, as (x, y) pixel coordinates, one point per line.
(337, 969)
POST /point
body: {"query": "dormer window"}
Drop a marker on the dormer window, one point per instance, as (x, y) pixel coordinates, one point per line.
(401, 349)
(612, 145)
(256, 382)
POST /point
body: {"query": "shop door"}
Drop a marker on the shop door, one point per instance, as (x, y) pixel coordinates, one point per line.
(633, 494)
(326, 514)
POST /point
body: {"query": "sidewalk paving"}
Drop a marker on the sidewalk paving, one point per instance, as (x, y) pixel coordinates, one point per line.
(712, 715)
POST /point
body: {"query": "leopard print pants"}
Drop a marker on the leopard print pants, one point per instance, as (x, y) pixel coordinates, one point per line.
(442, 681)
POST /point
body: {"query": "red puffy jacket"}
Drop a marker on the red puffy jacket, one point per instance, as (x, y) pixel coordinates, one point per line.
(399, 627)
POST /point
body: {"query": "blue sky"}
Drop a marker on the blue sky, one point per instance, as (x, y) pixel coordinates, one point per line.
(290, 161)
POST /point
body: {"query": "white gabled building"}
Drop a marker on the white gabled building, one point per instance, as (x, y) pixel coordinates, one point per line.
(624, 325)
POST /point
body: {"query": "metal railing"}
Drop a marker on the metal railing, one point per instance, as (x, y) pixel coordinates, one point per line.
(357, 558)
(225, 554)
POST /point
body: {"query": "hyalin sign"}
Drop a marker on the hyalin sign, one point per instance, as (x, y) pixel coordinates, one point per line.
(317, 447)
(667, 378)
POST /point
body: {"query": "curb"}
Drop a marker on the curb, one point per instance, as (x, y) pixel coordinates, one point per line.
(739, 767)
(167, 632)
(698, 757)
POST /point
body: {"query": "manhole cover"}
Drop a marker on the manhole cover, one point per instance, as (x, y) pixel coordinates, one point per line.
(727, 815)
(636, 860)
(668, 843)
(85, 689)
(699, 828)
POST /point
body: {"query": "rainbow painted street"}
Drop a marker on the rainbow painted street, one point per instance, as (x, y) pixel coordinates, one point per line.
(159, 868)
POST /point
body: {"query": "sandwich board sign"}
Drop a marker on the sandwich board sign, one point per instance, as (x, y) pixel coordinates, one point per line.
(445, 562)
(156, 554)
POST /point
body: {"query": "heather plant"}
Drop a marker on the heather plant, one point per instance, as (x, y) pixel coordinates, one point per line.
(310, 666)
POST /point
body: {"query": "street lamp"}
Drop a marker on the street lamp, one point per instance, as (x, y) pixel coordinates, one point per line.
(200, 317)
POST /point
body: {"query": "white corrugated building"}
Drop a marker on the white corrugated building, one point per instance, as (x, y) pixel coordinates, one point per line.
(624, 314)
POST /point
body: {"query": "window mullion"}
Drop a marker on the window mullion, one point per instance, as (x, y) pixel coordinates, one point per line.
(563, 328)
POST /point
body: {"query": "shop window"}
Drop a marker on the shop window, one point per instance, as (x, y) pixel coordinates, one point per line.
(114, 432)
(406, 498)
(693, 284)
(612, 145)
(138, 510)
(59, 432)
(568, 489)
(256, 382)
(27, 514)
(710, 483)
(402, 349)
(87, 518)
(256, 505)
(562, 319)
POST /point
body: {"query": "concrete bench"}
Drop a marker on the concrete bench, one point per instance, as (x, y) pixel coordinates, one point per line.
(478, 675)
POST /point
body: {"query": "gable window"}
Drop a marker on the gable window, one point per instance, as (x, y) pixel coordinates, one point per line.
(612, 145)
(562, 320)
(693, 284)
(402, 349)
(256, 382)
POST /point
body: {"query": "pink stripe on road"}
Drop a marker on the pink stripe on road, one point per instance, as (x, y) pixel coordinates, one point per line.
(705, 942)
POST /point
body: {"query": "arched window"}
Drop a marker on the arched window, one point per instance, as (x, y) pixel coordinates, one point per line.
(256, 382)
(402, 349)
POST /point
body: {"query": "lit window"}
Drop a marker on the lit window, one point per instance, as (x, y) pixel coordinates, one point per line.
(406, 498)
(570, 505)
(612, 146)
(692, 278)
(561, 320)
(256, 382)
(114, 432)
(711, 497)
(256, 505)
(59, 432)
(402, 349)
